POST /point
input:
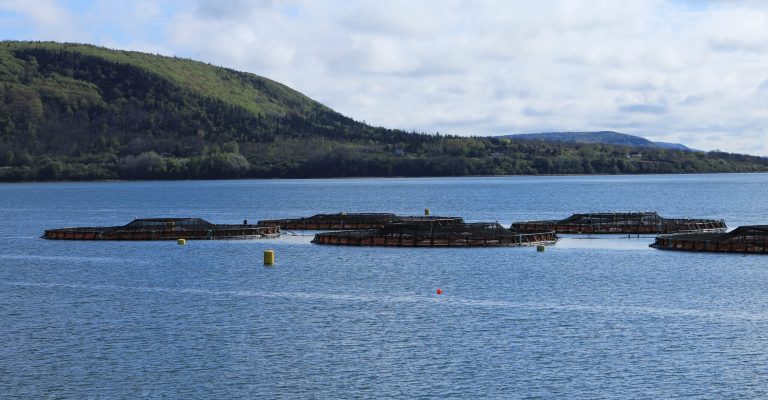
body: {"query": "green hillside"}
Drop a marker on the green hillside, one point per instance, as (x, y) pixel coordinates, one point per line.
(606, 137)
(79, 112)
(232, 87)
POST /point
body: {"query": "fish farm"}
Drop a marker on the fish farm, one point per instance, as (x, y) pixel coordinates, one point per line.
(165, 229)
(744, 239)
(343, 221)
(436, 234)
(617, 223)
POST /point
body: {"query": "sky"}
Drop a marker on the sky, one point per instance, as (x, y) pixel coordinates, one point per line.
(691, 72)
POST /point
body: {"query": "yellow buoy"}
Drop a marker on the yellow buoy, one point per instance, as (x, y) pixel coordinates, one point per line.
(540, 248)
(269, 257)
(426, 211)
(181, 242)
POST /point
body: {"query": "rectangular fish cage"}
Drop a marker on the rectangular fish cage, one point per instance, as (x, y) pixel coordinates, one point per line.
(621, 223)
(744, 239)
(164, 229)
(342, 221)
(435, 235)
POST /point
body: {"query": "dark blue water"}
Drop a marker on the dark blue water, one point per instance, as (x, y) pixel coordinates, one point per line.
(588, 318)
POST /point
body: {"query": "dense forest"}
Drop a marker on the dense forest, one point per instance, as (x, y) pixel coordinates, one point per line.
(608, 137)
(80, 112)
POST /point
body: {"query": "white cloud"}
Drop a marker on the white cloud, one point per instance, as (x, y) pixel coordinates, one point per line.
(51, 20)
(679, 71)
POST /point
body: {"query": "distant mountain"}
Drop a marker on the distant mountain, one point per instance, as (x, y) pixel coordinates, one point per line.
(607, 137)
(80, 112)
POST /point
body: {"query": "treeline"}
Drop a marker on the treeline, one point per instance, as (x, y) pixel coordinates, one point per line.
(69, 114)
(350, 161)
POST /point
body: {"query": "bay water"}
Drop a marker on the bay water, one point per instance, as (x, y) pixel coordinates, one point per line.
(591, 317)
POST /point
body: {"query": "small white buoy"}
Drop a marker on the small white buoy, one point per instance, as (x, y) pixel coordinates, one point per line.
(181, 242)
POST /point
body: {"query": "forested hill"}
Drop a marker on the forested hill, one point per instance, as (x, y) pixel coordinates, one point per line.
(607, 137)
(79, 112)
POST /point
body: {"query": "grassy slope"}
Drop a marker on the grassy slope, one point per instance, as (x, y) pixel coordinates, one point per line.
(252, 92)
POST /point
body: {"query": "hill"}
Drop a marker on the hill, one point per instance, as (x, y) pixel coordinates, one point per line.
(607, 137)
(80, 112)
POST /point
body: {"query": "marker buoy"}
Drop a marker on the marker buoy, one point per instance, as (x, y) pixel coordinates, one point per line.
(181, 242)
(269, 257)
(439, 291)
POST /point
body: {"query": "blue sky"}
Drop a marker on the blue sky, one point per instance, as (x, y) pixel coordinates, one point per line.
(692, 72)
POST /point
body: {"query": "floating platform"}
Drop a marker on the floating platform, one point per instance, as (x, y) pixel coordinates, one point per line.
(433, 234)
(744, 239)
(165, 229)
(344, 221)
(617, 223)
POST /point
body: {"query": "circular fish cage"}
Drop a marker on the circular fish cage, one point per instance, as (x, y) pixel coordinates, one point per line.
(409, 234)
(344, 221)
(621, 223)
(744, 239)
(164, 229)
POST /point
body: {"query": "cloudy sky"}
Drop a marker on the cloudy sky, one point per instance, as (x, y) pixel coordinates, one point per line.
(693, 72)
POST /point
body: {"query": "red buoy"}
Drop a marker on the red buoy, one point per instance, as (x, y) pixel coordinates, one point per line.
(439, 291)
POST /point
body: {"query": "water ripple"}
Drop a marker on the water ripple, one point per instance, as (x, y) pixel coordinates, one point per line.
(456, 301)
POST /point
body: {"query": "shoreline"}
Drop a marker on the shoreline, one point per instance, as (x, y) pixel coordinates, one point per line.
(386, 177)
